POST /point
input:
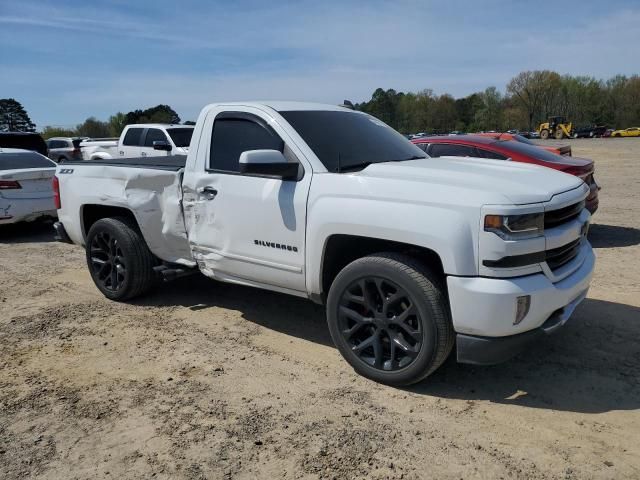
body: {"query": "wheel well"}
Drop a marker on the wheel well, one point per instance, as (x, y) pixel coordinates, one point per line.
(92, 213)
(340, 250)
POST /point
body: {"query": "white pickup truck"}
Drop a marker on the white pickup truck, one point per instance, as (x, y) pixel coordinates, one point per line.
(409, 254)
(140, 140)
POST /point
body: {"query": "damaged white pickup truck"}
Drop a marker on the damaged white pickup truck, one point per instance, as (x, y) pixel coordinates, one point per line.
(409, 254)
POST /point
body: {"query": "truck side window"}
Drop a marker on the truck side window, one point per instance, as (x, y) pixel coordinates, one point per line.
(450, 149)
(132, 138)
(154, 135)
(232, 136)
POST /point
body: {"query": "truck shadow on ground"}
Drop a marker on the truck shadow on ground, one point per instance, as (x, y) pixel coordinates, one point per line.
(609, 236)
(591, 366)
(39, 231)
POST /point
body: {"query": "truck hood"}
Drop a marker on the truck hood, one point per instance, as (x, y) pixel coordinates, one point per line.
(518, 183)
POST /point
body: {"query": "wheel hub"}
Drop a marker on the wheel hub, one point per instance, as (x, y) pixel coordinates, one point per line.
(379, 321)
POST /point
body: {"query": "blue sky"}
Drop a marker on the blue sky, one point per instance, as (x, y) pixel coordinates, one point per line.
(66, 60)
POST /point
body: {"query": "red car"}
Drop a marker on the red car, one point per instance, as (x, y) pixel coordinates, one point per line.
(495, 148)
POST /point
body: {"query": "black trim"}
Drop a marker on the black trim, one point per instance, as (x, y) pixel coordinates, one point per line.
(562, 255)
(553, 218)
(555, 258)
(492, 350)
(61, 233)
(515, 261)
(478, 350)
(168, 162)
(281, 170)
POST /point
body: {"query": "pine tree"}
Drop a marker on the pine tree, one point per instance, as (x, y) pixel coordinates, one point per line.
(14, 118)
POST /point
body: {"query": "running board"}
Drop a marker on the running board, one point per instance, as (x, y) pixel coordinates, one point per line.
(168, 274)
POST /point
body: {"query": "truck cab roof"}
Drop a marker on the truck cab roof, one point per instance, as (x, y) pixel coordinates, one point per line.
(285, 106)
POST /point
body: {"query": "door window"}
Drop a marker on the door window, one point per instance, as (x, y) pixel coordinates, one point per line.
(132, 138)
(233, 135)
(493, 155)
(450, 149)
(154, 135)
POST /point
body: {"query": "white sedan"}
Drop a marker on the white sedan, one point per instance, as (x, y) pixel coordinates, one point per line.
(26, 190)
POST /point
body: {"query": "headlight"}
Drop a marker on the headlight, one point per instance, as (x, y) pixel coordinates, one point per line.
(515, 227)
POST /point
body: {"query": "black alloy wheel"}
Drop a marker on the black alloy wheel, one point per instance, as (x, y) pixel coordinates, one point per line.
(107, 261)
(118, 258)
(389, 317)
(380, 322)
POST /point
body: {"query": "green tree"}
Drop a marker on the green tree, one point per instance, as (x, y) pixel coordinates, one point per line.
(535, 92)
(117, 122)
(14, 118)
(49, 131)
(94, 128)
(158, 114)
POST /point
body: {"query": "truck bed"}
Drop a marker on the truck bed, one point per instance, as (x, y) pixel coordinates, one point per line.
(169, 162)
(148, 187)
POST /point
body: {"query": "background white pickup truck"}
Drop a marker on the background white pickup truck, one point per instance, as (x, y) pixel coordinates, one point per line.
(141, 140)
(409, 254)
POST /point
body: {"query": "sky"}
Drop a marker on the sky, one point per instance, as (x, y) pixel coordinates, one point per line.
(66, 60)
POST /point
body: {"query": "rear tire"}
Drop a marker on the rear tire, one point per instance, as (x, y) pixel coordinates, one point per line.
(119, 260)
(544, 134)
(389, 318)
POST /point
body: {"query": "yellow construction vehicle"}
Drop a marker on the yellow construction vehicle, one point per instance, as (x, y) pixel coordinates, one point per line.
(556, 127)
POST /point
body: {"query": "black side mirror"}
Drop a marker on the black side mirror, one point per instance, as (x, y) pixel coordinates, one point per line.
(162, 145)
(268, 163)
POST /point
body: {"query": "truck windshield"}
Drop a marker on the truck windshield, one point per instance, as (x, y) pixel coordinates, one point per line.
(181, 136)
(348, 141)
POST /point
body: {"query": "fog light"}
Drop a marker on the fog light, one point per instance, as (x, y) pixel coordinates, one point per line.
(522, 308)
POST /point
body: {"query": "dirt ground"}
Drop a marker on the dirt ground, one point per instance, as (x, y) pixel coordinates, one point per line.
(207, 380)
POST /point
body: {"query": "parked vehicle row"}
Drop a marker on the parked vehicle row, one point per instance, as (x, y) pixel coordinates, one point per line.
(479, 146)
(63, 149)
(563, 150)
(141, 140)
(26, 191)
(627, 132)
(410, 255)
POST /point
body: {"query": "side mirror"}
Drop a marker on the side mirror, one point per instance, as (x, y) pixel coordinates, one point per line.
(162, 145)
(268, 163)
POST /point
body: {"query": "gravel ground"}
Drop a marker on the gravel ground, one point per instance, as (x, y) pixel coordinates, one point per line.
(207, 380)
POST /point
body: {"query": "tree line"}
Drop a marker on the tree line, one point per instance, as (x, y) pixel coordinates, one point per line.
(530, 98)
(14, 118)
(113, 127)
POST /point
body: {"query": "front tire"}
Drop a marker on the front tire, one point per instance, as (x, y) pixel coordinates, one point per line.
(119, 260)
(389, 318)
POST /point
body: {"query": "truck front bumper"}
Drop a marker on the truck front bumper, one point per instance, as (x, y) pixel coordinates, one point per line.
(483, 310)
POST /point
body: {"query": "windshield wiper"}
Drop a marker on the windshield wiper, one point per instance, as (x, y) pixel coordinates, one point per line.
(363, 165)
(355, 166)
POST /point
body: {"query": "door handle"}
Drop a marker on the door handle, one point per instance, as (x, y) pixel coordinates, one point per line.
(144, 154)
(208, 192)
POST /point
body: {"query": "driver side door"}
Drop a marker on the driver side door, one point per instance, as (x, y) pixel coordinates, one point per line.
(246, 228)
